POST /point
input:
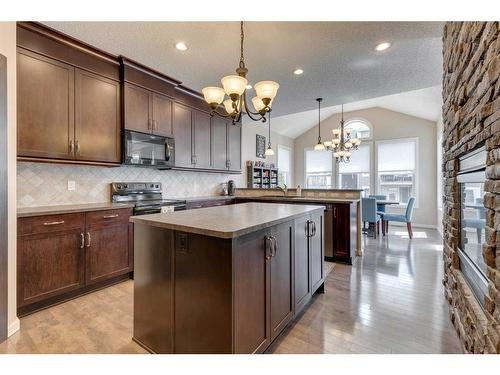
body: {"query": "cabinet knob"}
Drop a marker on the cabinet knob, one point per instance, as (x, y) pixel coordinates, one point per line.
(71, 147)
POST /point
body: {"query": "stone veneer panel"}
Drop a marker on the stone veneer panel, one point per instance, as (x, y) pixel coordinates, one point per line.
(41, 184)
(471, 117)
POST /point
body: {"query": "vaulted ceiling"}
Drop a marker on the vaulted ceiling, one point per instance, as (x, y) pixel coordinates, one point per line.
(338, 58)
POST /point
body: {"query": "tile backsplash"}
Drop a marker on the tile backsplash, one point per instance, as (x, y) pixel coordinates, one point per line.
(41, 184)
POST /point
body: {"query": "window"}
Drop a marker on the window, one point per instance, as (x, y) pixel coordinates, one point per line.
(360, 129)
(318, 171)
(284, 166)
(396, 169)
(356, 173)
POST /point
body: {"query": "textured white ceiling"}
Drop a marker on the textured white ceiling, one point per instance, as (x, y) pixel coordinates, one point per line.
(338, 58)
(424, 103)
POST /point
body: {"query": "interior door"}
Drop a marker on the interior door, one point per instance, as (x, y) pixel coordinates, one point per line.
(162, 114)
(3, 198)
(281, 278)
(182, 134)
(45, 107)
(137, 108)
(219, 143)
(97, 118)
(302, 263)
(234, 146)
(201, 126)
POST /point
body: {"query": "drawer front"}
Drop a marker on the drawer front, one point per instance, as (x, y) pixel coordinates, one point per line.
(119, 216)
(49, 223)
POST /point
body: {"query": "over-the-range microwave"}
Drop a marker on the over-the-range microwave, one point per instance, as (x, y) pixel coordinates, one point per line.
(148, 150)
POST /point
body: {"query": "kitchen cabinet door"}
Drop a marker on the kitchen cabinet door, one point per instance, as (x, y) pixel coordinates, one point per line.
(45, 107)
(201, 128)
(234, 146)
(49, 264)
(341, 234)
(108, 252)
(97, 118)
(251, 293)
(281, 278)
(316, 250)
(137, 109)
(302, 287)
(183, 136)
(162, 114)
(219, 143)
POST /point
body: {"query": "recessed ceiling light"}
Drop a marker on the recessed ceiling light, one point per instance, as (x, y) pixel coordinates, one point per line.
(382, 46)
(298, 72)
(249, 87)
(181, 46)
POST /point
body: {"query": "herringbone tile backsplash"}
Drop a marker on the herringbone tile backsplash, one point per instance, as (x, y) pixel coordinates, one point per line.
(40, 184)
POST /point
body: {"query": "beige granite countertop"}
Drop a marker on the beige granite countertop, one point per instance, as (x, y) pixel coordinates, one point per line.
(69, 208)
(227, 221)
(208, 198)
(301, 199)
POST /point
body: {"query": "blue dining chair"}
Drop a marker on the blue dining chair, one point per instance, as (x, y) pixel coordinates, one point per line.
(380, 207)
(406, 218)
(369, 214)
(479, 223)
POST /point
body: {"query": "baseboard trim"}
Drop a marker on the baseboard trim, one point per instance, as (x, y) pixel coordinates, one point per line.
(414, 225)
(13, 327)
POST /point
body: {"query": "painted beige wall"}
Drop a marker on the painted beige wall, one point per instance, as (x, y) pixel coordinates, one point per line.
(249, 132)
(8, 49)
(439, 178)
(387, 125)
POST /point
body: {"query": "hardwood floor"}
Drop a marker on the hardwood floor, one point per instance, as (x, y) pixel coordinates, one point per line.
(390, 301)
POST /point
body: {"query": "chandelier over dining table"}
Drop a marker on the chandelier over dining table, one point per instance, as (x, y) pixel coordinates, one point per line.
(343, 142)
(235, 87)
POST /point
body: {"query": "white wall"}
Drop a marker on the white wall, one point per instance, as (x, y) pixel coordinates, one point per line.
(387, 125)
(248, 140)
(8, 49)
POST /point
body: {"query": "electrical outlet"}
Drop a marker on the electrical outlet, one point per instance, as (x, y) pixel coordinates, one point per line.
(71, 185)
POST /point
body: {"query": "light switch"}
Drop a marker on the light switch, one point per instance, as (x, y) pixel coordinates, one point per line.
(71, 185)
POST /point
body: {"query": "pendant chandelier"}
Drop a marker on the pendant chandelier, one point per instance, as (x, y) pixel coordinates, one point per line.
(342, 144)
(269, 150)
(235, 87)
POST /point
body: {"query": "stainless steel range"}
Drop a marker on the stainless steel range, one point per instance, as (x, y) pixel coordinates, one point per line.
(147, 197)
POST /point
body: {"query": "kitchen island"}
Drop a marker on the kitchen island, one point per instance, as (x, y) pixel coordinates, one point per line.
(224, 279)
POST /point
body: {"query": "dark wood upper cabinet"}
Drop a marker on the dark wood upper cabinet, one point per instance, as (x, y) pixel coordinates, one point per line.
(45, 107)
(97, 118)
(182, 130)
(234, 146)
(219, 143)
(202, 140)
(162, 114)
(137, 108)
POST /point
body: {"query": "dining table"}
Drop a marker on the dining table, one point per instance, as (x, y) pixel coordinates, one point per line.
(381, 203)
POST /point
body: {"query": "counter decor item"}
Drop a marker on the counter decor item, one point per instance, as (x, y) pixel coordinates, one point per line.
(225, 190)
(231, 187)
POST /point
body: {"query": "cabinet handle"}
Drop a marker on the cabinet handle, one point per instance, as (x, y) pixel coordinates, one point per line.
(54, 223)
(88, 239)
(71, 146)
(110, 216)
(314, 228)
(82, 240)
(77, 147)
(275, 245)
(268, 246)
(335, 212)
(308, 228)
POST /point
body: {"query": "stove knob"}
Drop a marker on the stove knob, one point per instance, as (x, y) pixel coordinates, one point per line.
(125, 186)
(118, 187)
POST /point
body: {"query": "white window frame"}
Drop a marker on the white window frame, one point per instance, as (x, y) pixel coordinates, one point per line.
(289, 149)
(334, 169)
(417, 169)
(363, 120)
(372, 167)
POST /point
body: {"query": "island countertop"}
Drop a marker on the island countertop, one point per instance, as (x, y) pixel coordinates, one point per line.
(227, 221)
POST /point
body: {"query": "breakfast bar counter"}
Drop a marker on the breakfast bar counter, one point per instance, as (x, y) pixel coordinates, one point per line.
(224, 279)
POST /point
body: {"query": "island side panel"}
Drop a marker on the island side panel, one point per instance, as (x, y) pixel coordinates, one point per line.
(203, 294)
(153, 288)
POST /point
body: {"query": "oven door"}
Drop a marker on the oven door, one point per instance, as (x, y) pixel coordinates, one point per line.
(148, 150)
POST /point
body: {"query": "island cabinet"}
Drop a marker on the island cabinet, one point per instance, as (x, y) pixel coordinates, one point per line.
(61, 256)
(68, 95)
(217, 291)
(344, 234)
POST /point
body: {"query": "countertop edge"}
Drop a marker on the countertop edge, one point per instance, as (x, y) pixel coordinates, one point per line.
(58, 210)
(219, 234)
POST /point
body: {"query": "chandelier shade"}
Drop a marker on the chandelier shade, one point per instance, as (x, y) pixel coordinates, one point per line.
(213, 95)
(234, 85)
(228, 105)
(266, 89)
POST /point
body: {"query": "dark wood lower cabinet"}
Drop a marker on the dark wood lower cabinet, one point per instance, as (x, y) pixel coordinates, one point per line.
(203, 294)
(62, 256)
(344, 233)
